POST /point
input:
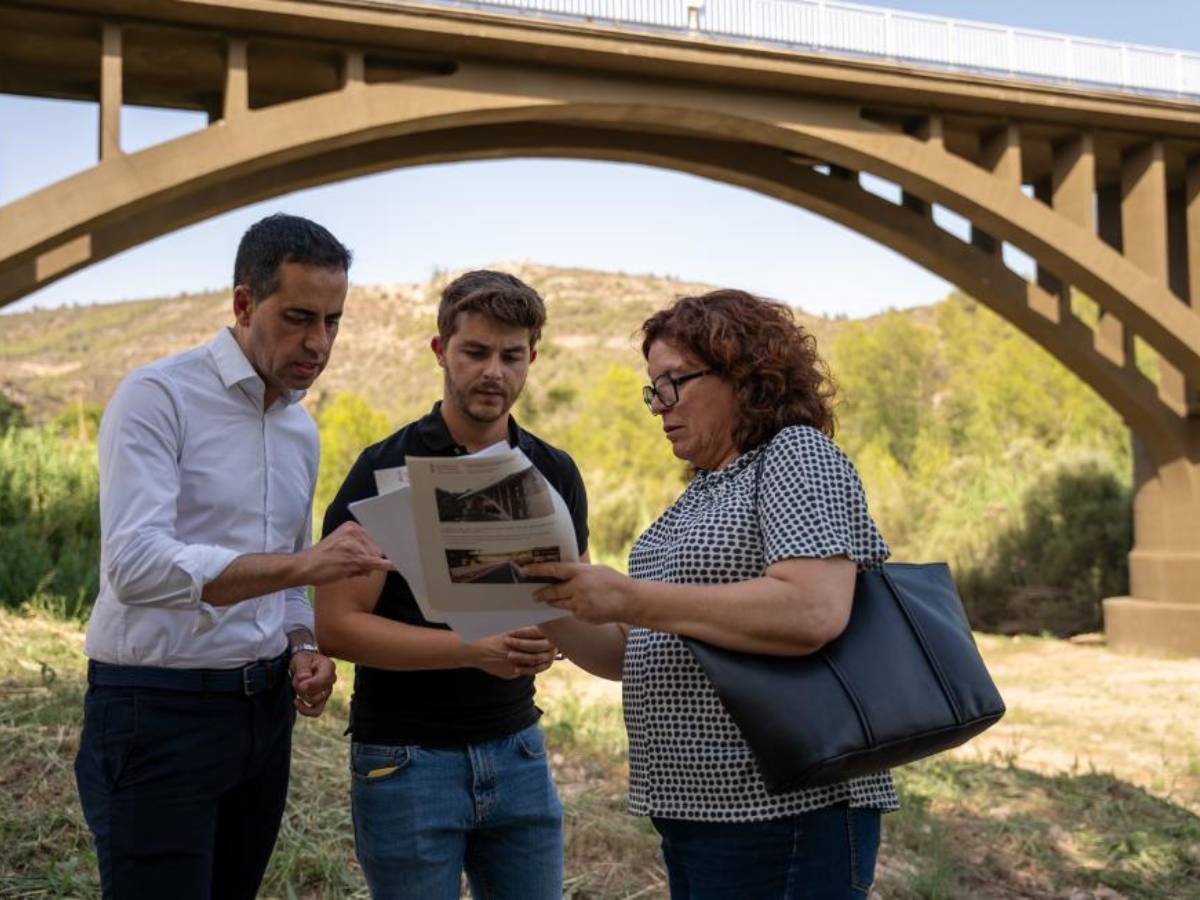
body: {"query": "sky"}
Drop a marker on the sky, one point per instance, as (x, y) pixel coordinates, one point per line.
(405, 224)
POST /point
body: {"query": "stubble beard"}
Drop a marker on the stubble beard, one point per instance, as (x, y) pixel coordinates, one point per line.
(462, 400)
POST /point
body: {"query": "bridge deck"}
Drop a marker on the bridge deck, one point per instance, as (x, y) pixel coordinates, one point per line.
(872, 32)
(174, 53)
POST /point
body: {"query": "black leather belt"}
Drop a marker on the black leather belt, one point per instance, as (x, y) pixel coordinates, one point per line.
(253, 678)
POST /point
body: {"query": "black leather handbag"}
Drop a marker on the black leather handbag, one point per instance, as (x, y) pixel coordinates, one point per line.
(903, 681)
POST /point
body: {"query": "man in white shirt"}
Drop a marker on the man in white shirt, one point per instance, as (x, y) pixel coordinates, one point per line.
(208, 466)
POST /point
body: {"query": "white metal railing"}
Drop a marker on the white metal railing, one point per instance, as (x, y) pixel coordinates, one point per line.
(888, 34)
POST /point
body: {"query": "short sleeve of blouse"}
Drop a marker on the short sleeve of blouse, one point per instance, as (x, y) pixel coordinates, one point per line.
(811, 502)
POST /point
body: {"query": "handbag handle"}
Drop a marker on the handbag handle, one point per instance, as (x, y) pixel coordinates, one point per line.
(758, 467)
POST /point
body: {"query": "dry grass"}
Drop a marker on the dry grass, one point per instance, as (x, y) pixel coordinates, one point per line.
(1076, 707)
(1089, 789)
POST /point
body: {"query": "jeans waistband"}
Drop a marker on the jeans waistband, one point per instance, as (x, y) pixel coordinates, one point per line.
(253, 678)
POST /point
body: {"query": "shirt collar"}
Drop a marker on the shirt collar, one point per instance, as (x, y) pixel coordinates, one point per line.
(437, 437)
(716, 476)
(234, 368)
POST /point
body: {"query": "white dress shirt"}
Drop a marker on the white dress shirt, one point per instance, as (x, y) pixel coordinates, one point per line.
(193, 474)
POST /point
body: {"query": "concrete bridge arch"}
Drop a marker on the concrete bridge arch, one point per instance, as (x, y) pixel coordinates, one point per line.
(804, 149)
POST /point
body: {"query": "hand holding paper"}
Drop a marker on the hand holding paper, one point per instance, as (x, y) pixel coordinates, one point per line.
(593, 593)
(523, 652)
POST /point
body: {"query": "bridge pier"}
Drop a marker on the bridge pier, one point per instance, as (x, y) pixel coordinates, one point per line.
(1163, 613)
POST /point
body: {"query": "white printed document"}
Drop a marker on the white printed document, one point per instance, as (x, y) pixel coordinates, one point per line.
(459, 528)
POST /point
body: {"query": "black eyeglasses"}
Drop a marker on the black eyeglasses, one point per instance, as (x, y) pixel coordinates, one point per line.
(666, 388)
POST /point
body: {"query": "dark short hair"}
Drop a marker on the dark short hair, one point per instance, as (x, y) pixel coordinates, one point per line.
(757, 346)
(279, 239)
(501, 296)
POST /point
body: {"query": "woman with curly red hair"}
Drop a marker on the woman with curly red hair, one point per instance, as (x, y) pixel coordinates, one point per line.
(758, 554)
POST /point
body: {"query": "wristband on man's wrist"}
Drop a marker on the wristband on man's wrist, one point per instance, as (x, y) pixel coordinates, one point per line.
(303, 647)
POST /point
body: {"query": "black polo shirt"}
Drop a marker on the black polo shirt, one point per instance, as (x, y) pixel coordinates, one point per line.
(441, 706)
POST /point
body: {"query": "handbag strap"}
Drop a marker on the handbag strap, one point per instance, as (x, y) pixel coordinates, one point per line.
(864, 720)
(758, 467)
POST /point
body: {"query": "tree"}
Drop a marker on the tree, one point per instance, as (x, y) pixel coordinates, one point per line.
(885, 371)
(627, 465)
(348, 425)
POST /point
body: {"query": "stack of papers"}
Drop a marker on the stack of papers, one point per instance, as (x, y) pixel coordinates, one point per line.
(458, 528)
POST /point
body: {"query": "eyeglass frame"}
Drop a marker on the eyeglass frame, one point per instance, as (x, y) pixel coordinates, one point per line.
(650, 392)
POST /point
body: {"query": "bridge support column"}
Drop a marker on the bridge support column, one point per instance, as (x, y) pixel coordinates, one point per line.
(1163, 613)
(1191, 200)
(1073, 193)
(237, 80)
(1000, 154)
(111, 91)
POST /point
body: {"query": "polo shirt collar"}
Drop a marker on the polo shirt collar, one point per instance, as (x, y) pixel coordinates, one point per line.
(437, 437)
(234, 368)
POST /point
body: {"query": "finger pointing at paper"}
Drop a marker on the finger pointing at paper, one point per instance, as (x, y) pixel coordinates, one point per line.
(594, 593)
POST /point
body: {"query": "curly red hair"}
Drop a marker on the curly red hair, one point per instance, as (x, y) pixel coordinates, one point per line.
(756, 345)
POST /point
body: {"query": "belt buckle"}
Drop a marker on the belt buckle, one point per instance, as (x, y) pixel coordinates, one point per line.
(251, 684)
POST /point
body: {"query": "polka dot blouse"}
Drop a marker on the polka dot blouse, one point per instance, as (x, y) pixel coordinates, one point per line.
(687, 759)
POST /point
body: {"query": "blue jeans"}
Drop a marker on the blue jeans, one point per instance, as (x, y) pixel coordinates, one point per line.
(826, 854)
(423, 815)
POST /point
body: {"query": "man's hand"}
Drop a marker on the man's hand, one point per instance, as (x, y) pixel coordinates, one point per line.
(313, 675)
(347, 552)
(595, 594)
(523, 652)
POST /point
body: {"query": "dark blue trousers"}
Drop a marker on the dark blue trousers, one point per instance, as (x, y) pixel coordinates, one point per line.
(184, 790)
(826, 854)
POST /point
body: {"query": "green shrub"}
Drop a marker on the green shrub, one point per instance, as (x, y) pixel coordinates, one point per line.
(49, 520)
(79, 420)
(1068, 549)
(12, 415)
(348, 425)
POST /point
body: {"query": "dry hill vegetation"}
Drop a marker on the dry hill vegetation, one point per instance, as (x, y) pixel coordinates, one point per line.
(51, 359)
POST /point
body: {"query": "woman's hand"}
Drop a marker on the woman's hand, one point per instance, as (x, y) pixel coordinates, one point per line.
(595, 594)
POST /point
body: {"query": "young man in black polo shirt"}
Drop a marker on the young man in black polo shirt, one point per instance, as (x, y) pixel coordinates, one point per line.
(449, 765)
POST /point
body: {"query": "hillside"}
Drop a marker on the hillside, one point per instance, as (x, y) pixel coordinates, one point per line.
(50, 359)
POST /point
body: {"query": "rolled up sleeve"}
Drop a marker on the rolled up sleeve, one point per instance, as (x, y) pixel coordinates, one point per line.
(144, 562)
(297, 611)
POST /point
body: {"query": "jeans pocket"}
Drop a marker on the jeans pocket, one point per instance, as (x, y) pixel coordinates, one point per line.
(531, 742)
(863, 831)
(375, 764)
